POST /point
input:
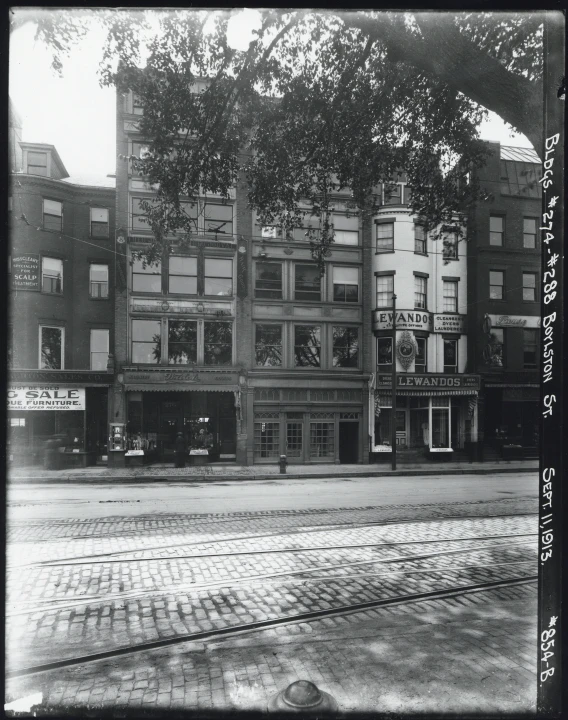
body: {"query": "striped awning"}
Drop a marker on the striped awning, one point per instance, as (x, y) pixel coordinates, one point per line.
(173, 387)
(385, 399)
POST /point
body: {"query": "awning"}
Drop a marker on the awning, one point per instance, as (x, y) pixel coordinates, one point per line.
(512, 385)
(385, 399)
(172, 387)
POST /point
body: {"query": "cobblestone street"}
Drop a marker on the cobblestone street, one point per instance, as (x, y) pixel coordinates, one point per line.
(401, 608)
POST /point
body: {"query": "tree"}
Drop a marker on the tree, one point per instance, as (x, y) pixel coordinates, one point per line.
(321, 105)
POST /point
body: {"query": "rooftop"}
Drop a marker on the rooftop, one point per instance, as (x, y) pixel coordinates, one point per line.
(103, 181)
(520, 154)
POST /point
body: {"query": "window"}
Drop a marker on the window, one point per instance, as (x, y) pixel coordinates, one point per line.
(529, 233)
(140, 151)
(268, 280)
(146, 341)
(450, 246)
(385, 237)
(218, 219)
(346, 230)
(307, 284)
(270, 231)
(420, 292)
(268, 345)
(345, 284)
(182, 342)
(52, 275)
(98, 280)
(529, 287)
(392, 194)
(182, 275)
(146, 278)
(52, 215)
(267, 439)
(322, 440)
(99, 222)
(345, 347)
(384, 354)
(139, 219)
(530, 347)
(450, 356)
(450, 291)
(494, 353)
(307, 345)
(420, 362)
(496, 224)
(218, 343)
(51, 344)
(419, 239)
(37, 163)
(99, 349)
(496, 284)
(218, 277)
(137, 107)
(385, 290)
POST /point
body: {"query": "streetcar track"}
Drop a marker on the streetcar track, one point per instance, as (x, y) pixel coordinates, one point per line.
(189, 587)
(108, 557)
(262, 624)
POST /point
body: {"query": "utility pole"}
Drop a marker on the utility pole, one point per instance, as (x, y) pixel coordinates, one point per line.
(393, 401)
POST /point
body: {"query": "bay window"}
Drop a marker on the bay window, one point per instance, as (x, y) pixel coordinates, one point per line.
(385, 236)
(450, 292)
(385, 290)
(420, 292)
(420, 239)
(420, 361)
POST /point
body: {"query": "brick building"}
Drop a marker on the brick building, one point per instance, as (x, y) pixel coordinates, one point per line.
(504, 259)
(61, 314)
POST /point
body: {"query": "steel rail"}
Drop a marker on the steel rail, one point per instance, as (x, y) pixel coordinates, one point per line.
(262, 624)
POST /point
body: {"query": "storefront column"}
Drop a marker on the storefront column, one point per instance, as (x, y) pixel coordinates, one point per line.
(117, 410)
(364, 427)
(245, 448)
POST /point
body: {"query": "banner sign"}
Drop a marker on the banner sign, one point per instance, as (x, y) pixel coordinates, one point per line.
(25, 273)
(405, 320)
(433, 381)
(449, 323)
(50, 377)
(520, 321)
(45, 398)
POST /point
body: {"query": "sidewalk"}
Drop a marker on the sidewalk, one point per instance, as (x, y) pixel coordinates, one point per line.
(164, 472)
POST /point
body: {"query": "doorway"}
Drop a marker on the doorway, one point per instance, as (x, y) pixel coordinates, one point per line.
(294, 439)
(348, 442)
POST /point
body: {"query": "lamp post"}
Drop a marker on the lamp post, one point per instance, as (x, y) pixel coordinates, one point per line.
(393, 401)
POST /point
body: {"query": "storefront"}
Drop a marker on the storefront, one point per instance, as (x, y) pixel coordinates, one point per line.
(434, 414)
(204, 405)
(512, 416)
(70, 405)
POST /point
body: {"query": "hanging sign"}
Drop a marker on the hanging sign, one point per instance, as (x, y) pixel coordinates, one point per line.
(25, 273)
(52, 397)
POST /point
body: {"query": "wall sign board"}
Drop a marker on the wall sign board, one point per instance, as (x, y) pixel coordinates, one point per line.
(53, 397)
(25, 273)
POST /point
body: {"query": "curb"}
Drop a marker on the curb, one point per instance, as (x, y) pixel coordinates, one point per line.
(188, 479)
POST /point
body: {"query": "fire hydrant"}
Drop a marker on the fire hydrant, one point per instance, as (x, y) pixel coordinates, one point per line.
(303, 697)
(283, 464)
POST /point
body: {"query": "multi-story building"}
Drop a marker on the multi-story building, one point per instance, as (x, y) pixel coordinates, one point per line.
(435, 395)
(503, 299)
(61, 314)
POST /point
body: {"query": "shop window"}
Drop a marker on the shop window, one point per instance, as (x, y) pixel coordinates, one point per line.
(345, 284)
(450, 290)
(450, 356)
(52, 347)
(218, 219)
(496, 284)
(218, 277)
(384, 355)
(146, 278)
(268, 345)
(98, 280)
(529, 233)
(322, 440)
(307, 283)
(529, 287)
(52, 215)
(99, 223)
(420, 362)
(530, 349)
(218, 343)
(307, 345)
(496, 230)
(52, 275)
(440, 427)
(345, 347)
(385, 290)
(494, 353)
(182, 275)
(182, 342)
(37, 163)
(420, 287)
(99, 349)
(420, 239)
(146, 342)
(385, 236)
(268, 280)
(267, 437)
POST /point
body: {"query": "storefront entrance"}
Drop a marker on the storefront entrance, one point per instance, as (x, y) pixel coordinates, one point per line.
(348, 441)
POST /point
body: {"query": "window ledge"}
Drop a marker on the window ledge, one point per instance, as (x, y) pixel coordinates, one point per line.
(416, 252)
(384, 252)
(98, 298)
